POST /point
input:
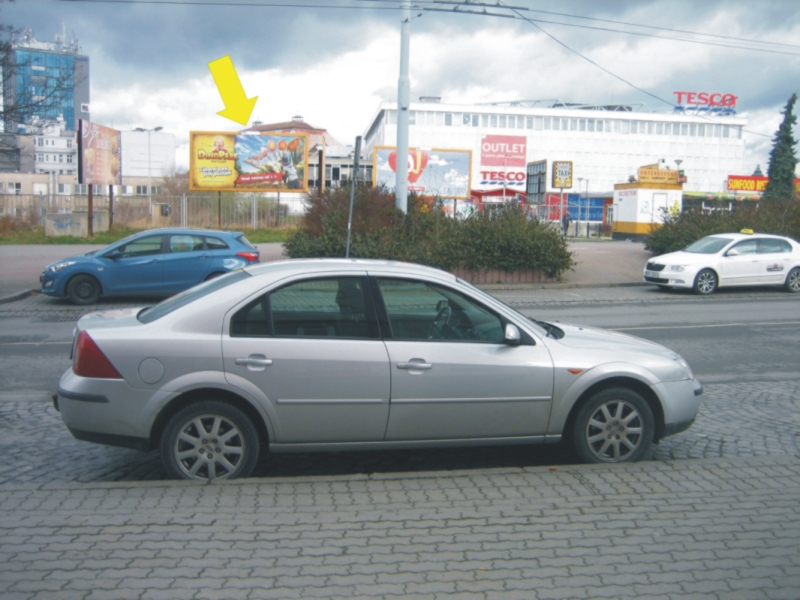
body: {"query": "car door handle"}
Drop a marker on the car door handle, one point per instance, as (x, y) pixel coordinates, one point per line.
(416, 366)
(254, 361)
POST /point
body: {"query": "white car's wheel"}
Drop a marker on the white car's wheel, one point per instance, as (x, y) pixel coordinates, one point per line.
(706, 282)
(793, 281)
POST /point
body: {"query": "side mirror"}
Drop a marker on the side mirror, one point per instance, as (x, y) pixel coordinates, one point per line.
(113, 255)
(512, 335)
(732, 252)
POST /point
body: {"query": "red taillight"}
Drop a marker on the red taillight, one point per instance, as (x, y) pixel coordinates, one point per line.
(89, 360)
(248, 256)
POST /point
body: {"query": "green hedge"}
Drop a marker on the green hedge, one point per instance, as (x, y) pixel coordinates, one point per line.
(504, 239)
(678, 231)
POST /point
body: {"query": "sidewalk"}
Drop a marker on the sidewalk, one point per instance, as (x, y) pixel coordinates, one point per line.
(599, 263)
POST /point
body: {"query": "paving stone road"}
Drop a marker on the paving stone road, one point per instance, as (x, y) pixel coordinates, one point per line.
(713, 514)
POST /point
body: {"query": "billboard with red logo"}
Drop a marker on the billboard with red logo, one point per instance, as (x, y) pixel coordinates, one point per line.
(752, 183)
(438, 172)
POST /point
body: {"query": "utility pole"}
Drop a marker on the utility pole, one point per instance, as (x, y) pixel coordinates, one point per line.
(403, 102)
(353, 181)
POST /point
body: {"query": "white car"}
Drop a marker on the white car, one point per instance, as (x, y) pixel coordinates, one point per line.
(727, 260)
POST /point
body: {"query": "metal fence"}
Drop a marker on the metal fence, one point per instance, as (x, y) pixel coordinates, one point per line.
(225, 211)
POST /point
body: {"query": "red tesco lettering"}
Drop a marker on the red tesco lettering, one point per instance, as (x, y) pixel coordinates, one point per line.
(706, 99)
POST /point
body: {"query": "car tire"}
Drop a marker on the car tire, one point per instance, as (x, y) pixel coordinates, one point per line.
(615, 425)
(214, 276)
(706, 282)
(83, 289)
(665, 288)
(793, 281)
(209, 429)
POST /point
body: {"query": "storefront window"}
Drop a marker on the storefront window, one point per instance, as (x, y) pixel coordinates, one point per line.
(548, 123)
(590, 124)
(537, 123)
(502, 121)
(448, 119)
(529, 122)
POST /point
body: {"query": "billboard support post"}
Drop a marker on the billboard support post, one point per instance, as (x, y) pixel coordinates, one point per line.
(183, 211)
(110, 207)
(219, 210)
(353, 179)
(90, 213)
(561, 212)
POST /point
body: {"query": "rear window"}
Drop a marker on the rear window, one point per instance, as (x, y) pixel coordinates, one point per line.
(245, 241)
(215, 243)
(155, 312)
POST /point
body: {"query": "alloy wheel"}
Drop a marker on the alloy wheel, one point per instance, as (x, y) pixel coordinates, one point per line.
(614, 431)
(209, 447)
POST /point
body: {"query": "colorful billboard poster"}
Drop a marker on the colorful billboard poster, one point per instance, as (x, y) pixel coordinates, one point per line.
(752, 183)
(435, 172)
(233, 162)
(99, 154)
(504, 151)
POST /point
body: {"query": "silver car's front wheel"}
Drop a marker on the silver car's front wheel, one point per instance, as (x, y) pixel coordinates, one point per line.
(209, 440)
(615, 425)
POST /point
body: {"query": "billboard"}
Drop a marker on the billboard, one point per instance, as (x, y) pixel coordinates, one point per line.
(562, 174)
(99, 154)
(232, 162)
(752, 183)
(652, 175)
(503, 151)
(435, 172)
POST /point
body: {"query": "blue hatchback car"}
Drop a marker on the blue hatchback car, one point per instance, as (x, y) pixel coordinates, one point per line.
(156, 262)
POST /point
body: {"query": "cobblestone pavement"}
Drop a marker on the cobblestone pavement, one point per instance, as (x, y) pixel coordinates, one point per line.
(712, 528)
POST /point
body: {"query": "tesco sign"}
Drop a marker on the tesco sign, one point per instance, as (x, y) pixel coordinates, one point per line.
(502, 178)
(706, 99)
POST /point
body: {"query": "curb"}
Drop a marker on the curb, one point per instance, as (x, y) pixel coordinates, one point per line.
(556, 286)
(17, 296)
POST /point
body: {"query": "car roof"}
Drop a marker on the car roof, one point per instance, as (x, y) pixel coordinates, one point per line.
(301, 266)
(745, 236)
(185, 230)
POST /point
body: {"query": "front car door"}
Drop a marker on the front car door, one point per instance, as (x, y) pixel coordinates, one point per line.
(741, 269)
(453, 377)
(313, 347)
(137, 268)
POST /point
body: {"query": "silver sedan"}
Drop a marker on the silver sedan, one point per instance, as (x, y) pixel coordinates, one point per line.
(355, 355)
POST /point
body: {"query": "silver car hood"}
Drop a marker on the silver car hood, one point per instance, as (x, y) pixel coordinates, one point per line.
(581, 337)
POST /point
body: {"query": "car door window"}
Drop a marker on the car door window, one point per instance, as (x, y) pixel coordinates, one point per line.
(419, 310)
(317, 308)
(774, 246)
(215, 244)
(185, 243)
(746, 247)
(141, 247)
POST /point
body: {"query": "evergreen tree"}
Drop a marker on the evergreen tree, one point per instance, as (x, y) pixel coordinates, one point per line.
(782, 158)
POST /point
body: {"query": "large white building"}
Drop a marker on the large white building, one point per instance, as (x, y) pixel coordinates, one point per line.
(607, 144)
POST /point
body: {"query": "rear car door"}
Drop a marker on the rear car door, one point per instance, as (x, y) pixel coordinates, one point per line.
(313, 347)
(775, 260)
(453, 377)
(186, 262)
(137, 269)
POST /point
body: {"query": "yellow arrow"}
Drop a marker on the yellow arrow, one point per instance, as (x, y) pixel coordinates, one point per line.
(237, 106)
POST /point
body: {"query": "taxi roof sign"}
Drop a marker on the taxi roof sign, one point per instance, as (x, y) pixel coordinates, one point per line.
(747, 231)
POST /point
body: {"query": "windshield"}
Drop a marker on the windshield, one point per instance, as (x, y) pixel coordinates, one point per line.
(708, 245)
(152, 313)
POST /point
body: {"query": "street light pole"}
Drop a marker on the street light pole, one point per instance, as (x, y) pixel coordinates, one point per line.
(149, 175)
(403, 102)
(580, 200)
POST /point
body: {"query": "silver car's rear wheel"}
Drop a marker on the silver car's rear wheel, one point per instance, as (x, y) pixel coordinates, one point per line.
(615, 425)
(209, 440)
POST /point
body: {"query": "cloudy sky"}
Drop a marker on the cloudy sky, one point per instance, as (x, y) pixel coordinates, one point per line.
(333, 61)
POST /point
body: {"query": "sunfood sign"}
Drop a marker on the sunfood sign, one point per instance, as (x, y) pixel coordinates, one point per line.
(706, 99)
(503, 151)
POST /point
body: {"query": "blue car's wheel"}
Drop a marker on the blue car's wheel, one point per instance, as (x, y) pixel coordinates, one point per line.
(83, 289)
